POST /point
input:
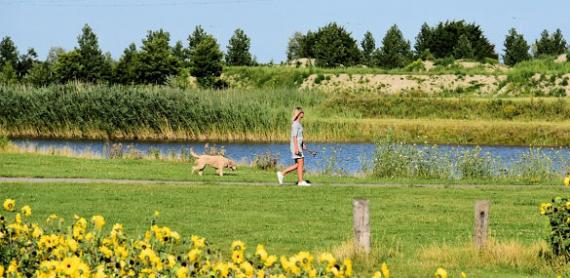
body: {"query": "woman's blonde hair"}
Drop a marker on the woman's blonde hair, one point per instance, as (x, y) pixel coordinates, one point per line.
(296, 112)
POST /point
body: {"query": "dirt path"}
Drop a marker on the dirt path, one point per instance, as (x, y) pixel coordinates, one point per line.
(173, 182)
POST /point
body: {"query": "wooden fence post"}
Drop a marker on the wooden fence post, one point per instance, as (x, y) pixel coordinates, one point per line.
(361, 224)
(481, 223)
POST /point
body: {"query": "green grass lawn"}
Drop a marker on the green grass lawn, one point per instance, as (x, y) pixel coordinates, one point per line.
(51, 166)
(406, 220)
(289, 219)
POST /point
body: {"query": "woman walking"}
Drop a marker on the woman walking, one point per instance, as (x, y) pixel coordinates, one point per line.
(297, 146)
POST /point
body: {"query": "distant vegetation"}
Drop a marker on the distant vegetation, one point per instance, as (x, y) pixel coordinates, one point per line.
(157, 61)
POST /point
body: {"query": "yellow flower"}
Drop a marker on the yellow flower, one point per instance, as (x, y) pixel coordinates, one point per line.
(247, 268)
(171, 261)
(238, 245)
(98, 221)
(261, 253)
(194, 255)
(567, 181)
(237, 257)
(260, 273)
(347, 267)
(463, 275)
(100, 272)
(385, 271)
(37, 231)
(198, 242)
(545, 208)
(1, 270)
(26, 211)
(270, 261)
(377, 274)
(121, 252)
(69, 265)
(440, 273)
(52, 218)
(221, 269)
(9, 205)
(72, 244)
(12, 268)
(106, 251)
(182, 272)
(306, 260)
(18, 218)
(83, 270)
(156, 213)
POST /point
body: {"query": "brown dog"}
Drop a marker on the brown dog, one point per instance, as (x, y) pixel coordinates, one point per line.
(217, 161)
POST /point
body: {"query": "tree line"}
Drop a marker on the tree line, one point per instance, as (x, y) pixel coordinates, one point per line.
(156, 61)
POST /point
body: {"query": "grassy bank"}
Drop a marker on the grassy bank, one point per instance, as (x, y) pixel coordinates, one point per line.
(56, 166)
(414, 230)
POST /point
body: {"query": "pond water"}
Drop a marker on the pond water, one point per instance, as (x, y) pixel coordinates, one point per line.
(334, 157)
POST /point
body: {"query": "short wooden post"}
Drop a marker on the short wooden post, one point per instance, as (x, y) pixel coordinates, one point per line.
(361, 224)
(481, 223)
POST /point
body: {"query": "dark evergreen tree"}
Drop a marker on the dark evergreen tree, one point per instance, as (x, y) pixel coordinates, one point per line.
(156, 61)
(26, 62)
(395, 51)
(8, 53)
(445, 36)
(196, 37)
(94, 67)
(463, 48)
(334, 47)
(516, 48)
(206, 62)
(238, 49)
(550, 45)
(126, 70)
(368, 46)
(423, 41)
(181, 54)
(8, 74)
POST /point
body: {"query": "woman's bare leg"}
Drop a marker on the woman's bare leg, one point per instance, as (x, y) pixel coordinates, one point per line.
(289, 169)
(300, 164)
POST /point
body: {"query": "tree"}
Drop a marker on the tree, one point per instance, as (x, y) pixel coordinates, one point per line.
(125, 72)
(368, 46)
(68, 66)
(40, 74)
(53, 54)
(463, 48)
(8, 53)
(443, 39)
(423, 41)
(294, 47)
(238, 49)
(206, 62)
(181, 54)
(196, 37)
(395, 51)
(550, 44)
(94, 66)
(156, 60)
(26, 62)
(334, 47)
(516, 48)
(8, 74)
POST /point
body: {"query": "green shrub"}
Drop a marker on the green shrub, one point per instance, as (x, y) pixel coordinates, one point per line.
(266, 161)
(4, 142)
(558, 213)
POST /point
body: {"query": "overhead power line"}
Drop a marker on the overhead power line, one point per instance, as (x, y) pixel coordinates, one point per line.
(136, 3)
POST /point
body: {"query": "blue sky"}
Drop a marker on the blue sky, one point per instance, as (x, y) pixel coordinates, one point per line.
(269, 23)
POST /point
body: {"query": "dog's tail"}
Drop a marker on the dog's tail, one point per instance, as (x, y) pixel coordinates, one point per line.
(192, 153)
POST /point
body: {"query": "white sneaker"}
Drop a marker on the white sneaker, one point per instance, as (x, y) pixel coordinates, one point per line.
(303, 183)
(280, 177)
